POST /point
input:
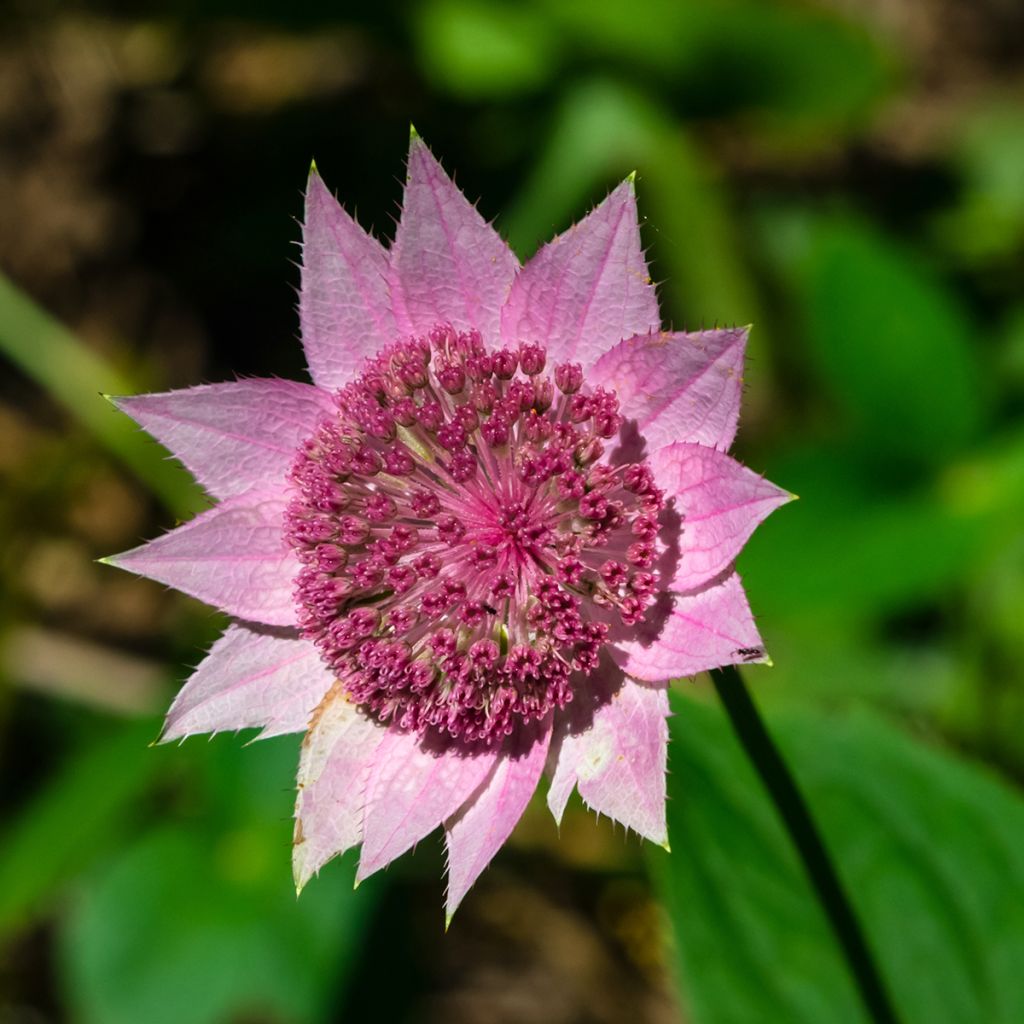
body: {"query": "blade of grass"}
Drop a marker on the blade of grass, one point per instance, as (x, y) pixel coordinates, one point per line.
(76, 377)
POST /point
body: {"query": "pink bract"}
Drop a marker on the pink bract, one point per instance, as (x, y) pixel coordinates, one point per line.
(478, 546)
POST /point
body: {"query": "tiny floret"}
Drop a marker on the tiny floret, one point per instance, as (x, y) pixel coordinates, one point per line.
(479, 545)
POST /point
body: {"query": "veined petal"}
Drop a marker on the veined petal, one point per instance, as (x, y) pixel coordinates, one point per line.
(337, 756)
(344, 307)
(447, 264)
(251, 678)
(587, 289)
(720, 502)
(702, 630)
(410, 792)
(233, 436)
(480, 828)
(234, 556)
(618, 764)
(678, 386)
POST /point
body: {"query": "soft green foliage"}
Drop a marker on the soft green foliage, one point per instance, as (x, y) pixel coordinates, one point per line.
(217, 907)
(927, 845)
(78, 816)
(802, 166)
(897, 350)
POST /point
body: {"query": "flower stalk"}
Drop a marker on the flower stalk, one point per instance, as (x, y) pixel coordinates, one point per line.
(796, 817)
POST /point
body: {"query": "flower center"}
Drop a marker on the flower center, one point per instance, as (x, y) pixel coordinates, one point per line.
(465, 549)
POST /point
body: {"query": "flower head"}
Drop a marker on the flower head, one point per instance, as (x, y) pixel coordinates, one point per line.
(479, 545)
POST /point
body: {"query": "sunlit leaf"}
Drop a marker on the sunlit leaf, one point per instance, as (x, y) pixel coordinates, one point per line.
(927, 845)
(485, 49)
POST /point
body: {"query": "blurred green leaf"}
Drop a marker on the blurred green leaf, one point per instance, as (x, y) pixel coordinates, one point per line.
(789, 64)
(928, 847)
(182, 928)
(78, 815)
(77, 378)
(988, 222)
(893, 344)
(850, 547)
(485, 49)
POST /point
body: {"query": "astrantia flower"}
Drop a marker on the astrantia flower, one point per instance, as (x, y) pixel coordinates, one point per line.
(479, 545)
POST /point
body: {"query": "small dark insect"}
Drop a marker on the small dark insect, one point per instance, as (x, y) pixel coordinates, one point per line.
(488, 608)
(749, 653)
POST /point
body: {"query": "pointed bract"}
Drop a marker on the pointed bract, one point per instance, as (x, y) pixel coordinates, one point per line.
(587, 289)
(720, 503)
(447, 264)
(344, 307)
(678, 386)
(251, 678)
(703, 630)
(234, 436)
(411, 791)
(334, 767)
(234, 556)
(481, 827)
(618, 763)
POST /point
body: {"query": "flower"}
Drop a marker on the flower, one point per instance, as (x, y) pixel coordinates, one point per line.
(479, 545)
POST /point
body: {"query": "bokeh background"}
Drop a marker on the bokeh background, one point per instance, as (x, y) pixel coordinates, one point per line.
(847, 175)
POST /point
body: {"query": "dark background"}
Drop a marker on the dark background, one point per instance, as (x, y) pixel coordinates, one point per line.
(848, 176)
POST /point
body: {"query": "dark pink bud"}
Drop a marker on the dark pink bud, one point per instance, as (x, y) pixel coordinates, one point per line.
(452, 378)
(430, 416)
(427, 565)
(462, 467)
(450, 529)
(505, 364)
(352, 530)
(569, 377)
(532, 358)
(425, 504)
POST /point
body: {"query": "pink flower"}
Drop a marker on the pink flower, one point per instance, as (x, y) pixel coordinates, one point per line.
(479, 545)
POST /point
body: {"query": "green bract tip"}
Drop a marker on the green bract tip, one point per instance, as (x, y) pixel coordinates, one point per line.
(413, 134)
(313, 168)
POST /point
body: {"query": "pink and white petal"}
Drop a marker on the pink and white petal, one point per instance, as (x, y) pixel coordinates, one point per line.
(721, 503)
(587, 289)
(678, 386)
(334, 767)
(410, 792)
(478, 831)
(574, 720)
(702, 630)
(447, 264)
(563, 777)
(344, 306)
(618, 764)
(233, 436)
(251, 678)
(234, 557)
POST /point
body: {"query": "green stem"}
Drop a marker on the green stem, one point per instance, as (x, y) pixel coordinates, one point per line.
(796, 816)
